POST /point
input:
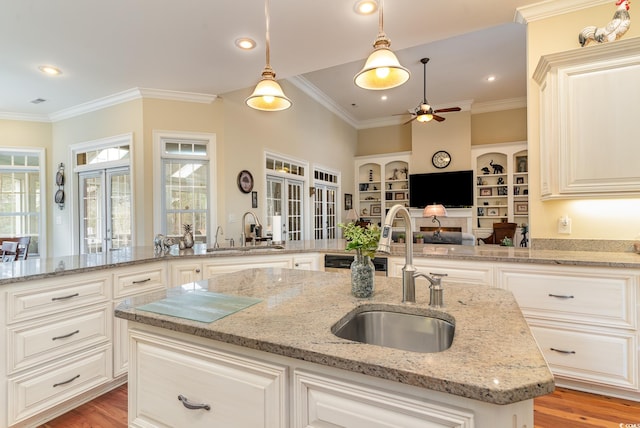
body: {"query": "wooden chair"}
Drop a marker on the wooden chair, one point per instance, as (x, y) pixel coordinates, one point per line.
(23, 246)
(500, 231)
(9, 251)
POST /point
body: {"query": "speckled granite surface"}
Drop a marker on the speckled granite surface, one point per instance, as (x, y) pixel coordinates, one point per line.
(38, 268)
(493, 358)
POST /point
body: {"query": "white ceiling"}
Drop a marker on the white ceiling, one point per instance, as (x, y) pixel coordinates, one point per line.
(106, 47)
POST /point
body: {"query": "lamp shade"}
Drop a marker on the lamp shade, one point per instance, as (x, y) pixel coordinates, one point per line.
(382, 70)
(268, 95)
(425, 117)
(434, 211)
(352, 215)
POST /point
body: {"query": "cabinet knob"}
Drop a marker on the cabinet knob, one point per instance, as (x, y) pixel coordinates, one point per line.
(198, 270)
(297, 264)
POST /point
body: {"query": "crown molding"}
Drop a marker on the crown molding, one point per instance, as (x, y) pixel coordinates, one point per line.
(547, 9)
(320, 97)
(491, 106)
(25, 117)
(130, 95)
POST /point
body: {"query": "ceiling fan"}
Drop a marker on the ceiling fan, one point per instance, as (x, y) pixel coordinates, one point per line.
(424, 112)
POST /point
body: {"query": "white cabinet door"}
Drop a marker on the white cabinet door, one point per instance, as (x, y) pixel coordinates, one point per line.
(177, 384)
(183, 272)
(322, 402)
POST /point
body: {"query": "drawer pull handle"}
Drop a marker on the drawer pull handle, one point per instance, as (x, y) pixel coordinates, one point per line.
(66, 381)
(185, 403)
(53, 299)
(561, 296)
(66, 335)
(142, 280)
(562, 351)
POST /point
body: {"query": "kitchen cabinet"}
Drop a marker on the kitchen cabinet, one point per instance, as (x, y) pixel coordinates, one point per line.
(467, 273)
(383, 181)
(282, 391)
(172, 381)
(577, 313)
(502, 187)
(588, 121)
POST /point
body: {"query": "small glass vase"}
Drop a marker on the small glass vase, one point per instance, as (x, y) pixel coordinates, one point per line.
(362, 273)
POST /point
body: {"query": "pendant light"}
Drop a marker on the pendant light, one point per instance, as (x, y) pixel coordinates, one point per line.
(268, 95)
(425, 114)
(382, 70)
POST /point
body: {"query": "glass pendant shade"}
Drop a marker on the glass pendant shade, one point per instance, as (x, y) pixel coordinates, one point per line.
(382, 70)
(424, 117)
(268, 95)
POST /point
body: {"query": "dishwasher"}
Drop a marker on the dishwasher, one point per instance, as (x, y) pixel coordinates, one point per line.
(342, 263)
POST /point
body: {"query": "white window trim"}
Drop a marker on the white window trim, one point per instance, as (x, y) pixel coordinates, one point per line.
(158, 155)
(70, 179)
(40, 152)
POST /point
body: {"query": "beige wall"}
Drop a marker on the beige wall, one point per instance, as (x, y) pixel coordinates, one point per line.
(386, 139)
(108, 122)
(499, 126)
(615, 219)
(306, 132)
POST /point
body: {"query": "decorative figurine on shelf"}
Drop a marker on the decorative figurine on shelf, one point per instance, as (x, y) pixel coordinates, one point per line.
(500, 180)
(395, 174)
(613, 30)
(188, 235)
(485, 170)
(524, 242)
(497, 168)
(162, 244)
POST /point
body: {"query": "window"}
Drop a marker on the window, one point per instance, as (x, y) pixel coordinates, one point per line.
(186, 171)
(104, 194)
(285, 185)
(21, 181)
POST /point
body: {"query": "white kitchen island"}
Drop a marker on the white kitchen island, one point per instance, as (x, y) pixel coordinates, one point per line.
(278, 364)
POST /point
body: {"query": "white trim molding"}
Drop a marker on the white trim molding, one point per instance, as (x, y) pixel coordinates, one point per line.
(547, 9)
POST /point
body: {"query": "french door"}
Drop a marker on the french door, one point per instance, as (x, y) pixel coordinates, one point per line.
(324, 212)
(105, 210)
(284, 199)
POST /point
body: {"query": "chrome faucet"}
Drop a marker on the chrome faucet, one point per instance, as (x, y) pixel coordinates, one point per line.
(384, 246)
(243, 236)
(436, 298)
(218, 230)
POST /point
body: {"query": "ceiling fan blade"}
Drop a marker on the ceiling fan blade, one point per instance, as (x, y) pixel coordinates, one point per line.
(410, 120)
(438, 118)
(445, 110)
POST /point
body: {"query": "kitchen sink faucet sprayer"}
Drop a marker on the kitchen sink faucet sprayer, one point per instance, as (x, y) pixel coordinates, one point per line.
(409, 272)
(243, 236)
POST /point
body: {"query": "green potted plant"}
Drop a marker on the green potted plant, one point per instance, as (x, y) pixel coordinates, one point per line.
(419, 238)
(401, 238)
(364, 240)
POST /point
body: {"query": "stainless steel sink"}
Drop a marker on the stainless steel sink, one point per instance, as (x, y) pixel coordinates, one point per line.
(251, 248)
(408, 332)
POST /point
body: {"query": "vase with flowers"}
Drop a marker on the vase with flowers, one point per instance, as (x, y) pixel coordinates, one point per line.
(364, 240)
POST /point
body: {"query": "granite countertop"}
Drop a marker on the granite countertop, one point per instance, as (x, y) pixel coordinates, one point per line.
(493, 358)
(43, 268)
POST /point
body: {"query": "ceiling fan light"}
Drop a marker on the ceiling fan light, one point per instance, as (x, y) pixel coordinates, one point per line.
(382, 70)
(268, 95)
(424, 118)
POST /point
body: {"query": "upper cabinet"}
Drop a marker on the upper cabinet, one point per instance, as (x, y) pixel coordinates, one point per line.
(382, 181)
(589, 127)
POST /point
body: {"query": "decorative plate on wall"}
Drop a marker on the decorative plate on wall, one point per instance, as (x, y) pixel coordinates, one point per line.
(245, 181)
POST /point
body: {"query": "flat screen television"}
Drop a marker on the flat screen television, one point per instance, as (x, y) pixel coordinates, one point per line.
(451, 189)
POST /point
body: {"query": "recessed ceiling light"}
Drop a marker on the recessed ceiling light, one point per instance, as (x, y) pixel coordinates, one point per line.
(383, 98)
(245, 43)
(365, 7)
(491, 78)
(50, 70)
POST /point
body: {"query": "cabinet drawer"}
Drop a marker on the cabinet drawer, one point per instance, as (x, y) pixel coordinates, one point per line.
(136, 279)
(585, 296)
(601, 357)
(240, 392)
(321, 401)
(463, 273)
(56, 295)
(41, 389)
(34, 343)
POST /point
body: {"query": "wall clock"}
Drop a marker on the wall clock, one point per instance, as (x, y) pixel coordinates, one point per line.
(441, 159)
(245, 181)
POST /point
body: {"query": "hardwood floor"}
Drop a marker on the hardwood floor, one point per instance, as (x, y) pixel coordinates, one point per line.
(563, 409)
